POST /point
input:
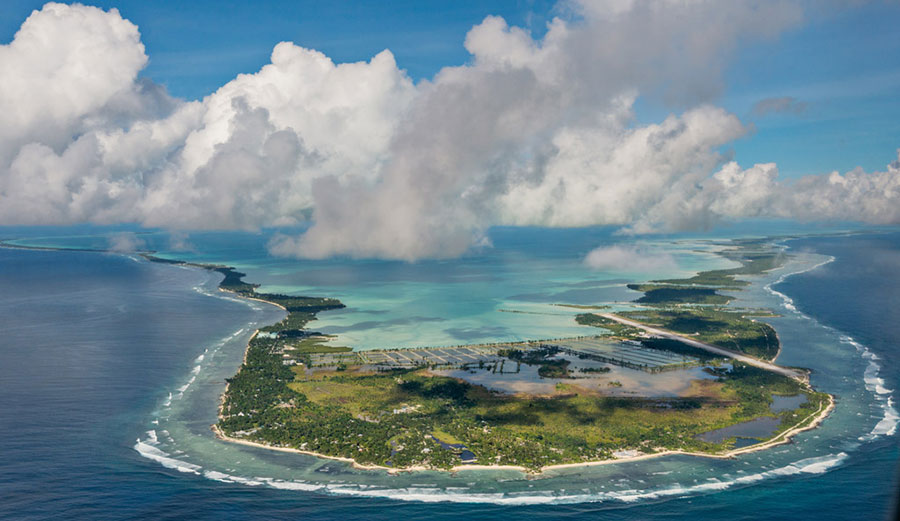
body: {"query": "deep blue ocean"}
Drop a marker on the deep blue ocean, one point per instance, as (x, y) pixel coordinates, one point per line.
(91, 344)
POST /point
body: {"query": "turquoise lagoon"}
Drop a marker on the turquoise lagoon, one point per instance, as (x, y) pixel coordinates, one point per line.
(392, 304)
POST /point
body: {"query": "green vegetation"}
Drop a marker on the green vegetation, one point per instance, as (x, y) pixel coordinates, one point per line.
(394, 419)
(662, 294)
(234, 282)
(446, 438)
(404, 418)
(554, 369)
(301, 310)
(681, 306)
(755, 256)
(727, 329)
(616, 328)
(595, 369)
(315, 344)
(542, 357)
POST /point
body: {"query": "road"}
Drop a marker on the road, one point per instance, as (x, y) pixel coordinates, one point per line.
(721, 351)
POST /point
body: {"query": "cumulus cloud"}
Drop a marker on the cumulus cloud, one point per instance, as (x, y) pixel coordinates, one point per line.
(125, 242)
(628, 258)
(782, 105)
(532, 131)
(732, 192)
(481, 141)
(854, 196)
(84, 140)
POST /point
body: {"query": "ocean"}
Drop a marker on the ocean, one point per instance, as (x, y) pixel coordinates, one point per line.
(111, 367)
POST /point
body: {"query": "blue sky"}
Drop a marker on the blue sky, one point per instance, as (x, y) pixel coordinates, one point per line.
(650, 116)
(843, 65)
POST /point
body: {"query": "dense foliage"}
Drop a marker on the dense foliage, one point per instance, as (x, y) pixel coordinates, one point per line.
(660, 294)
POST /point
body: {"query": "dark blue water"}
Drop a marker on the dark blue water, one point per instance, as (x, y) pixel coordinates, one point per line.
(90, 343)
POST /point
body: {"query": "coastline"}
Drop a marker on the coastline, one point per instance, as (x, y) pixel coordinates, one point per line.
(813, 420)
(808, 423)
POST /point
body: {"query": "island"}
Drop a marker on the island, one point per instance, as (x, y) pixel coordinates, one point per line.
(680, 371)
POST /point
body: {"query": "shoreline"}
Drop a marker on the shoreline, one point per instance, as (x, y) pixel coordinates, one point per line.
(808, 423)
(814, 419)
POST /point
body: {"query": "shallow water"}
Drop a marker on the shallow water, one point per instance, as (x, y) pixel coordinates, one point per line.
(758, 428)
(619, 381)
(94, 344)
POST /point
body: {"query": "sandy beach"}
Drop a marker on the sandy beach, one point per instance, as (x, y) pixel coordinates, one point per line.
(808, 423)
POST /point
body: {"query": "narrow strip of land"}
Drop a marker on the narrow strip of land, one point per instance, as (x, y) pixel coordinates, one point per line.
(721, 351)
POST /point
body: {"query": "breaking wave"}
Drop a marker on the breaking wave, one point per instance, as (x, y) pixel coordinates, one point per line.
(887, 425)
(150, 447)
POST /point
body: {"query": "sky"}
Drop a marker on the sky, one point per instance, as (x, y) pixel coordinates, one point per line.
(406, 129)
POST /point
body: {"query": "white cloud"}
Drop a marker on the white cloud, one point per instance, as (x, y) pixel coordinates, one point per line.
(125, 242)
(854, 196)
(538, 132)
(531, 132)
(89, 142)
(65, 64)
(630, 259)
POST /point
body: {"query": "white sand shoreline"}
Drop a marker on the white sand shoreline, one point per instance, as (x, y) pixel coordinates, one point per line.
(808, 423)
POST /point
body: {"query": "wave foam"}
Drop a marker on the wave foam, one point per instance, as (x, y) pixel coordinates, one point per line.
(887, 425)
(148, 449)
(786, 301)
(432, 494)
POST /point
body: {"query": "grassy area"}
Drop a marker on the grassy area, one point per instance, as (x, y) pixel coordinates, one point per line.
(616, 328)
(447, 438)
(359, 415)
(718, 327)
(317, 344)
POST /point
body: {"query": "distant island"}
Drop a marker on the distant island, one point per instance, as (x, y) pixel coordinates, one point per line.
(683, 373)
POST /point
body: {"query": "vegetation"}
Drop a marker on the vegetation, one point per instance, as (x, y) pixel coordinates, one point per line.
(554, 369)
(693, 307)
(301, 310)
(616, 328)
(663, 294)
(395, 419)
(674, 346)
(411, 417)
(755, 258)
(316, 344)
(595, 369)
(723, 328)
(542, 357)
